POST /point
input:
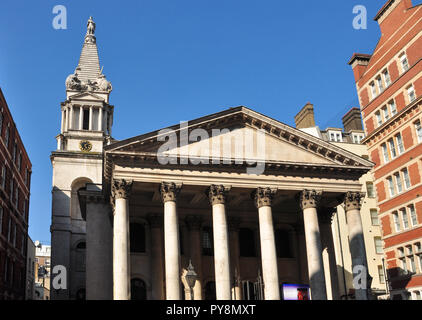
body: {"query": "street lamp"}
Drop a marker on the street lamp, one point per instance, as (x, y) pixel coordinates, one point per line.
(191, 277)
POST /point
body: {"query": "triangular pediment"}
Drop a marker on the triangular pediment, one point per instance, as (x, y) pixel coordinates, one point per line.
(242, 133)
(86, 96)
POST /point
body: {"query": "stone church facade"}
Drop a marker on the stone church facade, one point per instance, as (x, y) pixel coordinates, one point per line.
(245, 198)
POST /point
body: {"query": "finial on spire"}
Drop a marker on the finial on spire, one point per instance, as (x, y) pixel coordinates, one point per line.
(90, 32)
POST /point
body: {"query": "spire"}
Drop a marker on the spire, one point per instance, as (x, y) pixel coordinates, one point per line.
(88, 75)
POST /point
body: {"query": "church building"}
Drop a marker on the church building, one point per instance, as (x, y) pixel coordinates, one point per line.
(243, 199)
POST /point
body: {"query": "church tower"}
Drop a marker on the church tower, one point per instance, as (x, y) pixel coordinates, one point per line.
(86, 121)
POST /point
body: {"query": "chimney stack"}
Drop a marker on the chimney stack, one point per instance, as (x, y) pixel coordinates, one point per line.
(305, 118)
(352, 120)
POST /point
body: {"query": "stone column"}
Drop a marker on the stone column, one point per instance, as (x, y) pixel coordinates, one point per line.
(263, 198)
(71, 117)
(235, 257)
(90, 117)
(121, 245)
(100, 119)
(217, 196)
(194, 224)
(81, 117)
(329, 257)
(309, 201)
(352, 201)
(169, 192)
(157, 272)
(63, 124)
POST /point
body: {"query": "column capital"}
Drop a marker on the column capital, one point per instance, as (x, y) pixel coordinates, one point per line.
(155, 220)
(169, 191)
(263, 197)
(194, 222)
(310, 199)
(121, 189)
(352, 200)
(217, 194)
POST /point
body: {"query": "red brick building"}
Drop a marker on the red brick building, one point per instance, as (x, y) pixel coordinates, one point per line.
(389, 86)
(15, 179)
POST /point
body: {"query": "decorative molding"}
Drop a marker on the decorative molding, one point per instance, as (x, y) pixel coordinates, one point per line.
(121, 189)
(169, 191)
(310, 199)
(352, 200)
(263, 197)
(217, 194)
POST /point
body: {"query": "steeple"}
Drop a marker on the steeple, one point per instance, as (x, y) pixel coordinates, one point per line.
(87, 116)
(88, 75)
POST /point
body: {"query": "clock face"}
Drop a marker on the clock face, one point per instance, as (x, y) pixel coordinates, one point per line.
(85, 146)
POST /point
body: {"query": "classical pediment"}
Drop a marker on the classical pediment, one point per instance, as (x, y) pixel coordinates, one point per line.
(86, 96)
(243, 133)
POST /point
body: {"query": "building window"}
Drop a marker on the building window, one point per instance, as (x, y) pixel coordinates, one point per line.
(387, 77)
(20, 161)
(393, 151)
(385, 153)
(1, 121)
(411, 94)
(398, 182)
(393, 108)
(373, 90)
(15, 147)
(137, 238)
(404, 62)
(6, 136)
(374, 217)
(378, 245)
(207, 242)
(247, 243)
(418, 128)
(399, 141)
(86, 119)
(370, 191)
(391, 187)
(396, 221)
(385, 113)
(11, 190)
(381, 275)
(413, 216)
(406, 178)
(379, 118)
(404, 218)
(380, 86)
(3, 177)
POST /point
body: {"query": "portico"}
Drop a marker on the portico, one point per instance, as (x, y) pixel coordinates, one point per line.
(205, 212)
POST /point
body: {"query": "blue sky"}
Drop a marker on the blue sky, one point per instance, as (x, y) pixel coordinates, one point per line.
(171, 61)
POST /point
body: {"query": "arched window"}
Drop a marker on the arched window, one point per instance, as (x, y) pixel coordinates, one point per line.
(210, 293)
(138, 289)
(247, 243)
(80, 256)
(282, 242)
(137, 237)
(207, 242)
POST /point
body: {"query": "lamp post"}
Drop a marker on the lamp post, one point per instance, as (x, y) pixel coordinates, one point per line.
(191, 278)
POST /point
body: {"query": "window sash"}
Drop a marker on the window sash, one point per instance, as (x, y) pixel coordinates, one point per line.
(392, 148)
(393, 108)
(385, 153)
(386, 114)
(387, 78)
(411, 93)
(405, 219)
(398, 183)
(391, 186)
(413, 216)
(379, 119)
(400, 143)
(406, 179)
(418, 128)
(396, 222)
(374, 218)
(373, 90)
(404, 63)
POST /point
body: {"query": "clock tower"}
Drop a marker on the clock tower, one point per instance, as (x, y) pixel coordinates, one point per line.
(86, 121)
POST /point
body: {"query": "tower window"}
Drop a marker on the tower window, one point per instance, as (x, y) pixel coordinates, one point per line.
(86, 120)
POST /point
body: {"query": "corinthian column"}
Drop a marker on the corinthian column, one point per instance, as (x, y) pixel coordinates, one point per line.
(309, 201)
(121, 256)
(263, 198)
(169, 192)
(217, 197)
(362, 279)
